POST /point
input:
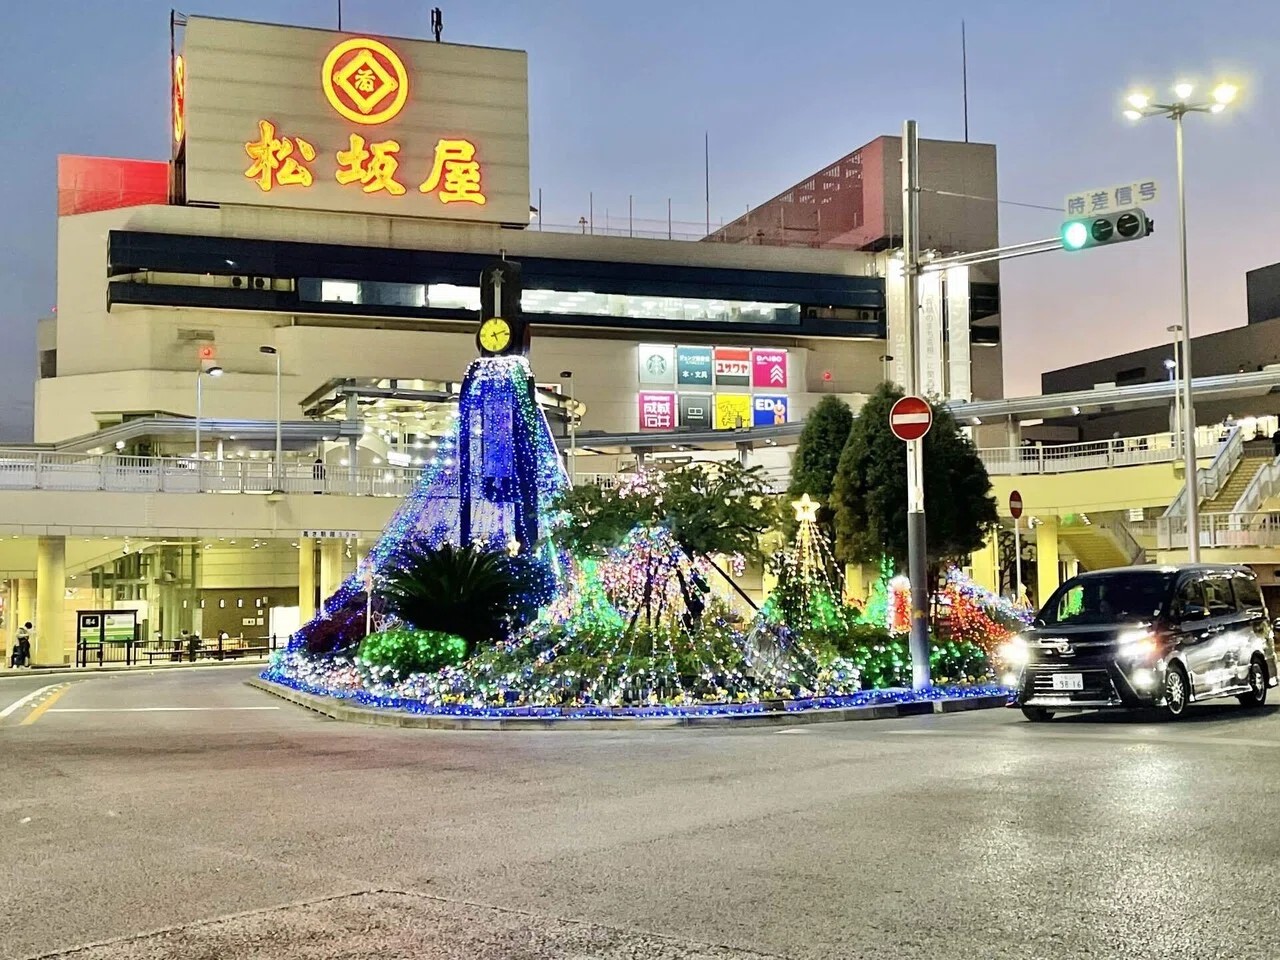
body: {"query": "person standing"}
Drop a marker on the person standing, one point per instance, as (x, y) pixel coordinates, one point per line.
(21, 654)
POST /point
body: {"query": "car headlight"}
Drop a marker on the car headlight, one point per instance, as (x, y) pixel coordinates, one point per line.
(1138, 645)
(1015, 652)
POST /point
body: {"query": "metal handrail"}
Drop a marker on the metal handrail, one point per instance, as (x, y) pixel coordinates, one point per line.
(126, 474)
(1214, 477)
(1234, 530)
(1264, 485)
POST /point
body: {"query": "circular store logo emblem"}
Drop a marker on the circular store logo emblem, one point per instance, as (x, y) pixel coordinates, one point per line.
(656, 364)
(365, 81)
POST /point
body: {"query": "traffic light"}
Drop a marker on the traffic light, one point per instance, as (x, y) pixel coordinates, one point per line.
(1106, 228)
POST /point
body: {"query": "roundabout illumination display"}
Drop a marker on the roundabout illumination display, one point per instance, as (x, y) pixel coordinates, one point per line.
(495, 591)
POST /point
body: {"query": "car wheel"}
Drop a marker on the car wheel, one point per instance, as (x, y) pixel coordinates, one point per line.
(1257, 695)
(1037, 714)
(1177, 692)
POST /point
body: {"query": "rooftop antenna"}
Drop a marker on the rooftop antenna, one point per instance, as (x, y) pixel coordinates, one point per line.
(964, 74)
(437, 22)
(339, 14)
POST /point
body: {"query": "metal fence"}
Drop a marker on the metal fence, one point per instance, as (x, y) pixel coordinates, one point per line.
(180, 650)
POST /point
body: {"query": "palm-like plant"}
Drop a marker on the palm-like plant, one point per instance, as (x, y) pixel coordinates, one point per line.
(477, 594)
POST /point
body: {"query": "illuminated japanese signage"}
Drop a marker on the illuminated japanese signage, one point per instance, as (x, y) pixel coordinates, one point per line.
(657, 410)
(179, 99)
(293, 117)
(365, 80)
(656, 364)
(695, 410)
(768, 411)
(733, 367)
(733, 410)
(769, 369)
(693, 366)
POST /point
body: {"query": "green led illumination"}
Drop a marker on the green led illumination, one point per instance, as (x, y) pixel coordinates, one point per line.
(1074, 235)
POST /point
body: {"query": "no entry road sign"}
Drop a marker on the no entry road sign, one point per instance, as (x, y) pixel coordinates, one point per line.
(1015, 504)
(910, 418)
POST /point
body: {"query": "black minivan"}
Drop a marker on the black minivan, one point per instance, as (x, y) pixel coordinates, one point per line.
(1146, 637)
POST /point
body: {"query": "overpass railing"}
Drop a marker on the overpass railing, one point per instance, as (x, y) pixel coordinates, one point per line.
(1221, 530)
(125, 474)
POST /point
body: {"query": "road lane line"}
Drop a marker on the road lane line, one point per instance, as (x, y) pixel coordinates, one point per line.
(22, 701)
(1147, 737)
(154, 709)
(44, 705)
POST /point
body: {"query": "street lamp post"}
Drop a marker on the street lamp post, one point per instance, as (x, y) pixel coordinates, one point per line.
(1174, 367)
(279, 467)
(211, 371)
(1141, 105)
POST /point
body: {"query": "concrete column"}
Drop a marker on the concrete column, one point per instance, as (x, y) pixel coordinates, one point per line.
(22, 608)
(331, 552)
(1047, 560)
(48, 647)
(985, 564)
(306, 578)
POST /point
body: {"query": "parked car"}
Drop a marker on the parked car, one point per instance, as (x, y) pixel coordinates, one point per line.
(1156, 637)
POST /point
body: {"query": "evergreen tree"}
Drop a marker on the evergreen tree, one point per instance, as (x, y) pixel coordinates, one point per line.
(817, 456)
(871, 489)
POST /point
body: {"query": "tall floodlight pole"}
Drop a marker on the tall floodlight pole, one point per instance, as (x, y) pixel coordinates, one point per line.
(1140, 105)
(916, 540)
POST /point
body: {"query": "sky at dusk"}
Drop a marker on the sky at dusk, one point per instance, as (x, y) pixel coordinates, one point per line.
(621, 93)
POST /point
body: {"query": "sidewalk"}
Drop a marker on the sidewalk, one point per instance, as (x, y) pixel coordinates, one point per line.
(9, 673)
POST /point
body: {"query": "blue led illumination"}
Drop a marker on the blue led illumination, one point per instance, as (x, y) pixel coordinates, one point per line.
(493, 480)
(635, 631)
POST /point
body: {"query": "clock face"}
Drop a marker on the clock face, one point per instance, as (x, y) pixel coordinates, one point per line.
(495, 335)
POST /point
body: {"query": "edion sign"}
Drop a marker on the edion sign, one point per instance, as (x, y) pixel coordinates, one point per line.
(910, 418)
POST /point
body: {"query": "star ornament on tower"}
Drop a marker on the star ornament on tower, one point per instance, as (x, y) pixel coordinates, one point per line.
(806, 509)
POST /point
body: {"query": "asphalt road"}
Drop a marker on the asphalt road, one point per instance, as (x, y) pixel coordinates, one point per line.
(181, 814)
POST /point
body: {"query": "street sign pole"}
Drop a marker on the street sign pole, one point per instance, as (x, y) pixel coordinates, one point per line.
(1015, 508)
(916, 532)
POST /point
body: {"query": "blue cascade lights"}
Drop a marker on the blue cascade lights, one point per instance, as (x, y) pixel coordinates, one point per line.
(493, 480)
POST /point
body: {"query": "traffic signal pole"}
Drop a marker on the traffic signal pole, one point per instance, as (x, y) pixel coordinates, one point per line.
(917, 568)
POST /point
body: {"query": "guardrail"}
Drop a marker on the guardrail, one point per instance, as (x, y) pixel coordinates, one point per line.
(180, 650)
(71, 472)
(1071, 457)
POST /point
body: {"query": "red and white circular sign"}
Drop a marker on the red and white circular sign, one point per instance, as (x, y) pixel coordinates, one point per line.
(910, 418)
(1015, 504)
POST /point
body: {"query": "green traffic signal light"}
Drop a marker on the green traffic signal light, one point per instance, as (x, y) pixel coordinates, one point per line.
(1074, 235)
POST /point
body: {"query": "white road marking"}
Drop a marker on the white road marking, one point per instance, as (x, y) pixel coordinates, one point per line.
(1087, 736)
(792, 730)
(152, 709)
(23, 701)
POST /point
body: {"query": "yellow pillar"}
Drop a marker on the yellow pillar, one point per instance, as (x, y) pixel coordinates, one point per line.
(306, 579)
(331, 552)
(1047, 579)
(985, 564)
(48, 647)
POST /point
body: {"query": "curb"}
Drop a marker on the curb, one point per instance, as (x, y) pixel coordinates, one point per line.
(338, 710)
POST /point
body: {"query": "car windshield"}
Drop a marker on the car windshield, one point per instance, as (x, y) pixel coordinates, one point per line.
(1110, 598)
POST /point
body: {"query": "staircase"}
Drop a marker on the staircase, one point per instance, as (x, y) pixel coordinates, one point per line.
(1101, 543)
(1225, 499)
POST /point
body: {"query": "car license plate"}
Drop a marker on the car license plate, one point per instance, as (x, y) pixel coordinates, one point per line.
(1068, 681)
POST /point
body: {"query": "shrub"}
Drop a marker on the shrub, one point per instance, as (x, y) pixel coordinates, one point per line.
(477, 594)
(407, 651)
